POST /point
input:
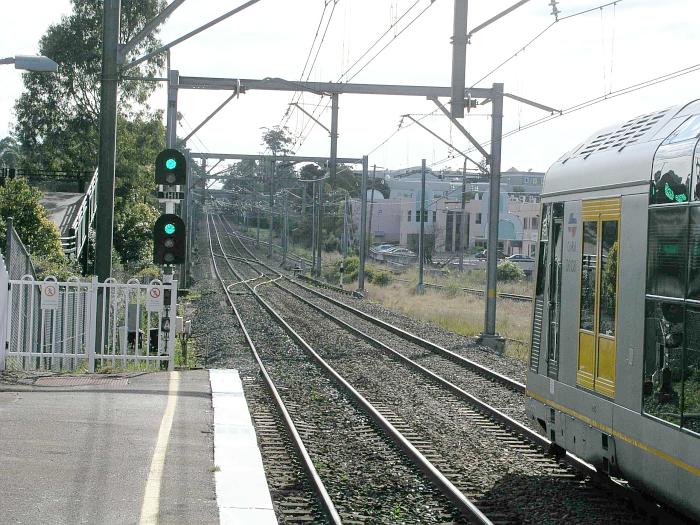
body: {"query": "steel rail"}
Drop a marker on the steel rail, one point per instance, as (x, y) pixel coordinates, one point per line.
(457, 498)
(428, 345)
(620, 488)
(297, 442)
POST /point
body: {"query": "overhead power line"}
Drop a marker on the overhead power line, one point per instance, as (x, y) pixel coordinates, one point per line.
(591, 102)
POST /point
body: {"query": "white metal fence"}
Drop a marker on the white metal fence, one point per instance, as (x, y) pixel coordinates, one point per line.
(51, 325)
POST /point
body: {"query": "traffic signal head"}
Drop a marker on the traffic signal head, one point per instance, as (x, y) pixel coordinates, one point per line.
(169, 240)
(171, 169)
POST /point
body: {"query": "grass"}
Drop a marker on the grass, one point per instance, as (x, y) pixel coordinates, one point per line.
(459, 312)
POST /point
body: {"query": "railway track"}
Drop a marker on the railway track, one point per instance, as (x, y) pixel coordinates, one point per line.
(368, 479)
(510, 432)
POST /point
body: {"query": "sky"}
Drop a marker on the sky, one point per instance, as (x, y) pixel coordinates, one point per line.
(577, 59)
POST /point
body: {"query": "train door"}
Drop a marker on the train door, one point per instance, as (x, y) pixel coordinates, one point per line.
(554, 268)
(548, 290)
(597, 346)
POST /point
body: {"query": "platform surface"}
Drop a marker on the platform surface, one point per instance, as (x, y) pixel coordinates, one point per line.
(131, 449)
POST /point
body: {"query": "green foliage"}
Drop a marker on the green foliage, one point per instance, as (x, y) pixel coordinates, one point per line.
(58, 114)
(279, 140)
(133, 234)
(22, 202)
(508, 271)
(381, 278)
(9, 152)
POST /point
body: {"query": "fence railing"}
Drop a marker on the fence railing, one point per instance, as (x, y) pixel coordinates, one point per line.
(52, 325)
(79, 231)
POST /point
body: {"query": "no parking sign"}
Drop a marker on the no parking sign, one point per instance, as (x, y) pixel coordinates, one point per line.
(154, 299)
(49, 295)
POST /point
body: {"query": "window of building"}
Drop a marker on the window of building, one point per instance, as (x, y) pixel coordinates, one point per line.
(533, 223)
(526, 223)
(409, 215)
(478, 218)
(434, 216)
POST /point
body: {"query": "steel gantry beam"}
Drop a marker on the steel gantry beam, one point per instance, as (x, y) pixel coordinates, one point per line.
(324, 88)
(280, 158)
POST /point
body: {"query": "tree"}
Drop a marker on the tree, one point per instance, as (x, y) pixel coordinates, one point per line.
(133, 237)
(9, 152)
(58, 115)
(30, 220)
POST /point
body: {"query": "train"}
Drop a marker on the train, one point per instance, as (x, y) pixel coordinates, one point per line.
(614, 366)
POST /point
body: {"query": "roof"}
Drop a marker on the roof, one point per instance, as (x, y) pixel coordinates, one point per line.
(618, 155)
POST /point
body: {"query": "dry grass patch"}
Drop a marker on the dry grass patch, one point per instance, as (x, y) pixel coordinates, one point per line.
(458, 312)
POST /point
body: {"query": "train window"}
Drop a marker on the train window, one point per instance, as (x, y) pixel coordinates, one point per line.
(608, 278)
(696, 173)
(691, 371)
(690, 129)
(667, 252)
(588, 273)
(673, 163)
(663, 352)
(694, 255)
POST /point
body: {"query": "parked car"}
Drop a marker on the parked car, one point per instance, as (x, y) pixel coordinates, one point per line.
(404, 252)
(379, 248)
(519, 257)
(484, 255)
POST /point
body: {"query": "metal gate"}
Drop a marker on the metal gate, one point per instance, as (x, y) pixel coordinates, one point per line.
(86, 325)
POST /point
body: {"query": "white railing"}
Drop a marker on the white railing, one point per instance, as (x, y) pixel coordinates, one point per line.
(52, 325)
(80, 228)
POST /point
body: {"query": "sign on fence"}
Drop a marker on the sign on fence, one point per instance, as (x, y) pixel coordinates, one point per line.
(49, 295)
(154, 299)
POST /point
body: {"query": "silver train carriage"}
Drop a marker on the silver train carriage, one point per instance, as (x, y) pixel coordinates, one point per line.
(614, 370)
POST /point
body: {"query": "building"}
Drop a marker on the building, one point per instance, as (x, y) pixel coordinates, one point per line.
(397, 219)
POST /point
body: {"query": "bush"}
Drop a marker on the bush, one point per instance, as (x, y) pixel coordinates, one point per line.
(508, 271)
(380, 278)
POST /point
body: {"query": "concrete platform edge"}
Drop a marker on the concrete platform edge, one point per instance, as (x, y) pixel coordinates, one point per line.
(242, 493)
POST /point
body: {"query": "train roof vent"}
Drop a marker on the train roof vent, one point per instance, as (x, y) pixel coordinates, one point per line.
(628, 133)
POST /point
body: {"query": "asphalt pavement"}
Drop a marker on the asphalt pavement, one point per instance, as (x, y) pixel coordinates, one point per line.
(128, 449)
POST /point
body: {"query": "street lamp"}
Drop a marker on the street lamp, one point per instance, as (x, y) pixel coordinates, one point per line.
(32, 63)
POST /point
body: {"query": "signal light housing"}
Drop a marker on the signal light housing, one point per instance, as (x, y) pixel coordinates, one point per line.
(171, 168)
(169, 240)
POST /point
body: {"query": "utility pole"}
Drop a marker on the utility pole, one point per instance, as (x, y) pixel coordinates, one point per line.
(463, 224)
(319, 235)
(363, 226)
(313, 228)
(257, 225)
(371, 206)
(104, 222)
(421, 238)
(271, 169)
(489, 335)
(285, 231)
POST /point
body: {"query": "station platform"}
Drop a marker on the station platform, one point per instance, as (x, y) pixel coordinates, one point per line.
(167, 448)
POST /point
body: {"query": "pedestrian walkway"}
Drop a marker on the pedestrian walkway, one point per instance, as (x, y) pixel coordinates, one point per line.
(132, 448)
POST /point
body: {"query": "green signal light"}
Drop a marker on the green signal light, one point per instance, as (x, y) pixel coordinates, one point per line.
(171, 164)
(169, 228)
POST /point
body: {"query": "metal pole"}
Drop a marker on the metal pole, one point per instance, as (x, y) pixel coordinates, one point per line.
(270, 225)
(421, 238)
(284, 231)
(371, 206)
(319, 235)
(459, 57)
(463, 226)
(363, 226)
(489, 336)
(108, 140)
(257, 226)
(332, 168)
(171, 120)
(313, 228)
